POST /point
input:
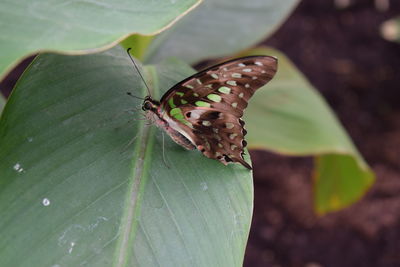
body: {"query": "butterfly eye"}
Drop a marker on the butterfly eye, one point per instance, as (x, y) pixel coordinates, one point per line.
(146, 105)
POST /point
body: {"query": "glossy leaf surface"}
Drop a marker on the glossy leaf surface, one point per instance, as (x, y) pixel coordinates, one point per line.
(73, 192)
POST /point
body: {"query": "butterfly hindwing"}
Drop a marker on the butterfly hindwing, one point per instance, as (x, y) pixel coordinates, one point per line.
(208, 106)
(220, 135)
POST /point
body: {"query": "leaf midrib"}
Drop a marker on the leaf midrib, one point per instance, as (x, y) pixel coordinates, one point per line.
(138, 181)
(133, 196)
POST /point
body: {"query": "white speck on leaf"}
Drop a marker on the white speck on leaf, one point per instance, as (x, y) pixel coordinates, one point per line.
(46, 202)
(204, 186)
(72, 232)
(18, 167)
(30, 139)
(97, 222)
(71, 247)
(238, 219)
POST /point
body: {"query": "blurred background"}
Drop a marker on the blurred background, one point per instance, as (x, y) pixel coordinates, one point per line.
(338, 45)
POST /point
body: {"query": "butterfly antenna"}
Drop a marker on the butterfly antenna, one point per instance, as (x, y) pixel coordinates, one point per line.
(137, 69)
(130, 94)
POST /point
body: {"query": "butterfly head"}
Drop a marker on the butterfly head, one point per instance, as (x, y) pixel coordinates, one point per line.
(150, 104)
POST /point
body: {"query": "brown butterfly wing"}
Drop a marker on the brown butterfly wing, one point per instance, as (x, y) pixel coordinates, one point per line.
(208, 106)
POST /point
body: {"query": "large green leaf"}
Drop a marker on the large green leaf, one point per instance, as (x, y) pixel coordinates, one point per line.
(2, 102)
(290, 117)
(219, 28)
(73, 26)
(73, 193)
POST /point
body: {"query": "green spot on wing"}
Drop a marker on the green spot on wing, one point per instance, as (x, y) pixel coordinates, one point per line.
(183, 101)
(214, 97)
(224, 90)
(180, 94)
(177, 114)
(187, 123)
(202, 104)
(171, 102)
(175, 111)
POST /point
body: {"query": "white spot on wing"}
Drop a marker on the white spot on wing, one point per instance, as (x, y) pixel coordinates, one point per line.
(247, 70)
(229, 125)
(206, 123)
(214, 75)
(195, 114)
(258, 63)
(232, 136)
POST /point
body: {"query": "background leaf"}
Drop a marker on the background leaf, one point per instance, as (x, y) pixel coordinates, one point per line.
(72, 26)
(72, 193)
(290, 117)
(390, 30)
(219, 28)
(138, 43)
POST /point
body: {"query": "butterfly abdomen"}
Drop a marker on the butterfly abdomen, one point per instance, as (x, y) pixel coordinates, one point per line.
(180, 139)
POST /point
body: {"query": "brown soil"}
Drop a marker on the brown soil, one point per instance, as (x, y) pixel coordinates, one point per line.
(343, 55)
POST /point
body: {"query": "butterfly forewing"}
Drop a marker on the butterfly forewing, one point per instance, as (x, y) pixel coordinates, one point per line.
(207, 107)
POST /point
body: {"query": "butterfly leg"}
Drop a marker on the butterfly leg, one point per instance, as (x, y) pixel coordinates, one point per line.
(163, 150)
(130, 143)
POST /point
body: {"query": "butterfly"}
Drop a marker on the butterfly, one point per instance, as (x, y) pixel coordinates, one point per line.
(204, 111)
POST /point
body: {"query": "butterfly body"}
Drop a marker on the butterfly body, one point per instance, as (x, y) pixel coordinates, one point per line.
(204, 111)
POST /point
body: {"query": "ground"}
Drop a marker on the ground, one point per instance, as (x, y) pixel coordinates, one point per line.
(343, 55)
